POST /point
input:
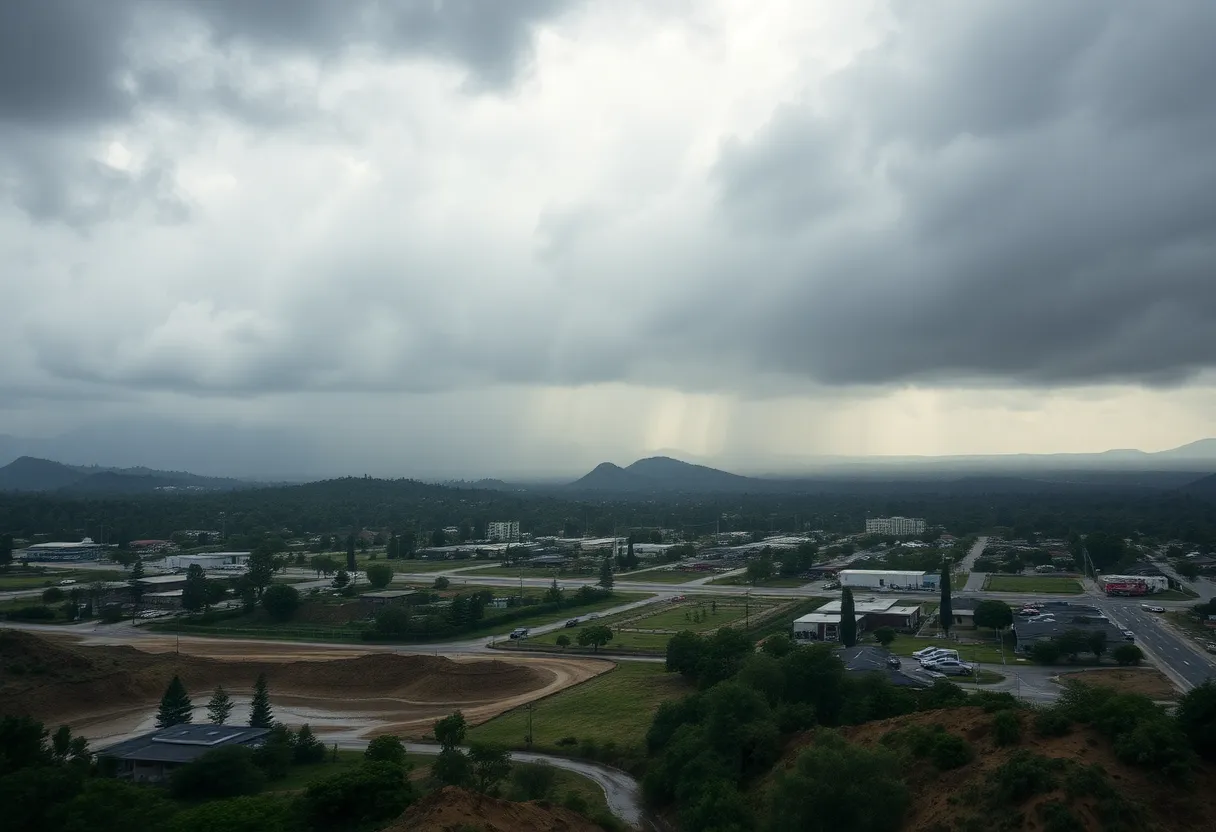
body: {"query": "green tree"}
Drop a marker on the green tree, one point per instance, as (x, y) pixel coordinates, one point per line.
(307, 748)
(341, 579)
(533, 782)
(553, 595)
(281, 601)
(450, 731)
(136, 582)
(594, 636)
(262, 813)
(194, 593)
(260, 569)
(993, 614)
(491, 764)
(438, 538)
(323, 565)
(441, 583)
(1045, 651)
(363, 798)
(1188, 570)
(351, 566)
(606, 579)
(214, 592)
(386, 749)
(1096, 642)
(276, 753)
(1072, 642)
(834, 786)
(452, 768)
(848, 618)
(1128, 655)
(563, 641)
(175, 706)
(227, 771)
(945, 613)
(260, 714)
(1196, 716)
(379, 575)
(6, 550)
(106, 805)
(220, 706)
(884, 636)
(760, 569)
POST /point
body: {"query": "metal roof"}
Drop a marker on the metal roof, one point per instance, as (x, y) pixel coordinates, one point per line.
(182, 743)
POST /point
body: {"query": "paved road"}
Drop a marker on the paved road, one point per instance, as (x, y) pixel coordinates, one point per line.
(1186, 665)
(975, 580)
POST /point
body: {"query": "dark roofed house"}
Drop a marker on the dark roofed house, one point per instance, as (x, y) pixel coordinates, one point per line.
(1085, 619)
(867, 658)
(153, 757)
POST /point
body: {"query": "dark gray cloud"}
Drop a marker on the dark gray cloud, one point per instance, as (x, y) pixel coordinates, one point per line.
(70, 69)
(1048, 201)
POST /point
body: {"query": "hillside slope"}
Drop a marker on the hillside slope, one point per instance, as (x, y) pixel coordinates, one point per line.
(450, 809)
(1052, 783)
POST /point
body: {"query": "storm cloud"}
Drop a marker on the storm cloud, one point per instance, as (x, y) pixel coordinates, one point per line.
(245, 201)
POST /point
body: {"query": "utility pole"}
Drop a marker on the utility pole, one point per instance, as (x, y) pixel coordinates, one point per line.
(528, 737)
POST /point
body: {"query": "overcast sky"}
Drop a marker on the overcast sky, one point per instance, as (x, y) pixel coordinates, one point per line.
(415, 237)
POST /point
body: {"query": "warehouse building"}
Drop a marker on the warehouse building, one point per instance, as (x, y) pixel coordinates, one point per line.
(887, 578)
(880, 612)
(82, 550)
(209, 561)
(822, 626)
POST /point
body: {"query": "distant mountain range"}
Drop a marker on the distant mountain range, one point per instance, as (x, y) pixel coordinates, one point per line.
(30, 474)
(664, 475)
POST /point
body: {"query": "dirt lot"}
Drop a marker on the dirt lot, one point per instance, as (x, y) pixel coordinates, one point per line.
(1142, 680)
(112, 689)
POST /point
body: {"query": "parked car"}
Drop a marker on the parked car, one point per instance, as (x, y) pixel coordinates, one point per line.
(1151, 608)
(893, 662)
(66, 582)
(926, 651)
(940, 656)
(951, 667)
(573, 622)
(519, 632)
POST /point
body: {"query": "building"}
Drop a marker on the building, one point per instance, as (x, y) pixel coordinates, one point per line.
(503, 530)
(549, 561)
(880, 612)
(1152, 583)
(897, 526)
(150, 547)
(1059, 617)
(822, 626)
(232, 561)
(868, 658)
(886, 578)
(962, 612)
(153, 757)
(83, 550)
(382, 597)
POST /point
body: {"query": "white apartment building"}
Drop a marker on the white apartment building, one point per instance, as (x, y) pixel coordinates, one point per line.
(506, 531)
(897, 526)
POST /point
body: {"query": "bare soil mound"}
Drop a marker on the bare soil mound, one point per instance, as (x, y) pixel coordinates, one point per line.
(954, 800)
(53, 678)
(1146, 681)
(450, 809)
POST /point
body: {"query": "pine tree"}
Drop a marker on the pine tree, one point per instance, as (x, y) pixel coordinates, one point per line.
(175, 706)
(350, 553)
(848, 618)
(137, 574)
(260, 715)
(944, 613)
(220, 706)
(606, 579)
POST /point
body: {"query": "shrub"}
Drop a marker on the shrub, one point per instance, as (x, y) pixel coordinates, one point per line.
(532, 782)
(39, 613)
(1057, 817)
(281, 601)
(950, 751)
(1128, 655)
(379, 575)
(1022, 776)
(224, 772)
(386, 749)
(52, 595)
(1006, 728)
(1157, 744)
(1045, 652)
(993, 701)
(1052, 722)
(371, 793)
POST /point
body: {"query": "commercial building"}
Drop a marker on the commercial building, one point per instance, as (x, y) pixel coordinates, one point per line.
(1152, 583)
(503, 530)
(897, 526)
(212, 560)
(887, 578)
(382, 597)
(822, 626)
(1059, 617)
(152, 757)
(83, 550)
(880, 612)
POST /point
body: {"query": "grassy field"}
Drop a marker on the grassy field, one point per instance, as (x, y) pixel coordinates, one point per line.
(16, 581)
(742, 580)
(662, 576)
(515, 572)
(1035, 583)
(678, 617)
(418, 566)
(981, 653)
(614, 707)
